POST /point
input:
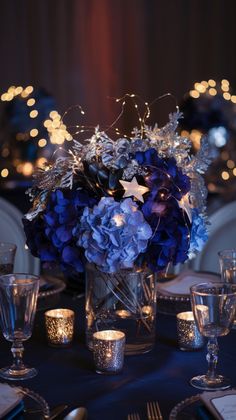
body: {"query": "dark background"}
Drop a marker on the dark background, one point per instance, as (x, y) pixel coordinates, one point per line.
(83, 51)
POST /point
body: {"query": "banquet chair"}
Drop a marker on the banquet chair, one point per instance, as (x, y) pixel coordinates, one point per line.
(11, 230)
(222, 235)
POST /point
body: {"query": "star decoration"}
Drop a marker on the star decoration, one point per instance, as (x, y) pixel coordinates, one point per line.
(133, 188)
(185, 205)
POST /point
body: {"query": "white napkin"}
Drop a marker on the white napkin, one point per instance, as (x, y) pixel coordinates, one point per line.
(9, 398)
(181, 284)
(222, 404)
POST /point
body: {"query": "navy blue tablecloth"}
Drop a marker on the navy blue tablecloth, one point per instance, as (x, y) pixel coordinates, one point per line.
(68, 376)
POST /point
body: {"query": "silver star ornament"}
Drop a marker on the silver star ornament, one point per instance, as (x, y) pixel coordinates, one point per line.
(133, 188)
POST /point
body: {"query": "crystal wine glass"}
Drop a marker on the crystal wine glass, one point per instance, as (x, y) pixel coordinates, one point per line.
(227, 260)
(18, 299)
(214, 306)
(7, 257)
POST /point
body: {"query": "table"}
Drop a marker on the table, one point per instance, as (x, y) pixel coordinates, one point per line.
(67, 375)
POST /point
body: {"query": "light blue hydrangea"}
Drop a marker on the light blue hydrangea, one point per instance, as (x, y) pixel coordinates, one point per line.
(198, 234)
(113, 234)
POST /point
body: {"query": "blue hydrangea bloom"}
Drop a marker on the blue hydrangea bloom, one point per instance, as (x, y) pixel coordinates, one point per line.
(113, 234)
(198, 234)
(49, 235)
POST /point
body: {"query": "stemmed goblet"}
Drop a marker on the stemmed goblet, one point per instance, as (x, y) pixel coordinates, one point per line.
(18, 299)
(214, 306)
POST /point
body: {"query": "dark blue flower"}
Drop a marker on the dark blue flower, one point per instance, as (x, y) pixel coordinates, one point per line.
(169, 223)
(165, 177)
(170, 240)
(49, 235)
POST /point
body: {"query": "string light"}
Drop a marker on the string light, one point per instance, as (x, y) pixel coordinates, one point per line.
(118, 219)
(34, 132)
(211, 83)
(27, 169)
(53, 114)
(195, 136)
(24, 94)
(31, 102)
(18, 90)
(4, 173)
(226, 96)
(225, 88)
(33, 113)
(225, 175)
(200, 87)
(133, 98)
(212, 89)
(194, 93)
(230, 164)
(42, 142)
(57, 129)
(29, 89)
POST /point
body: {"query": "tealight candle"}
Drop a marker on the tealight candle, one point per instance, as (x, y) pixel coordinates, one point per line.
(189, 337)
(59, 326)
(108, 351)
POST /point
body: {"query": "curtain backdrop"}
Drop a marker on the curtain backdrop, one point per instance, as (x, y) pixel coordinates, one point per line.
(83, 51)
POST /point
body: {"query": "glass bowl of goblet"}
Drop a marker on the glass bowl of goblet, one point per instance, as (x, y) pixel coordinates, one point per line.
(18, 299)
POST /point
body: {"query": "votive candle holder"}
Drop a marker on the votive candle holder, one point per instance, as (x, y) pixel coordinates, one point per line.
(59, 327)
(189, 337)
(108, 351)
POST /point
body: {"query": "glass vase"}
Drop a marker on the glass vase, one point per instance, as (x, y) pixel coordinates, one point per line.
(124, 301)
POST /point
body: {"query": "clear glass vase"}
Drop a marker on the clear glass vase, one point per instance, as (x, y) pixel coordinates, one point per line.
(124, 301)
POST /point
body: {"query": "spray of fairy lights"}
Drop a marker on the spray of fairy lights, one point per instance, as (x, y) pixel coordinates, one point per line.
(57, 130)
(212, 88)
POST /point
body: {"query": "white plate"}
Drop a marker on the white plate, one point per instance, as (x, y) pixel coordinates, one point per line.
(173, 296)
(180, 285)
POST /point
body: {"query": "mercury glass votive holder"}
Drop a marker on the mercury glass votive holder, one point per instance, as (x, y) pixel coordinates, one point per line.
(108, 351)
(189, 337)
(59, 327)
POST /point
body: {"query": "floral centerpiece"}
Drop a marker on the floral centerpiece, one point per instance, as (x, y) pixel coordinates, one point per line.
(131, 204)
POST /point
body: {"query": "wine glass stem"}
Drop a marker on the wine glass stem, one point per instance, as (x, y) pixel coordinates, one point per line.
(212, 357)
(17, 350)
